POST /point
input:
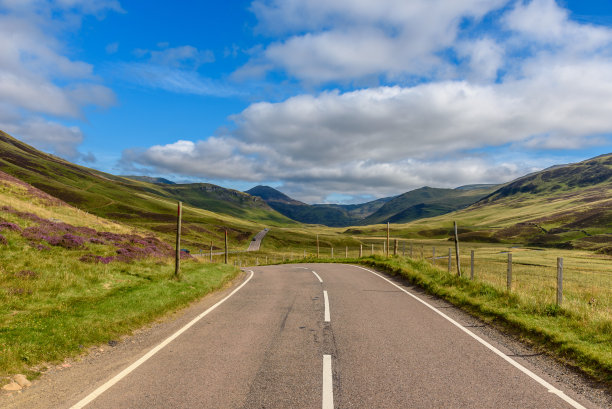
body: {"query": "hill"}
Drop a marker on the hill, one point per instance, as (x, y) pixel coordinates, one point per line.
(150, 179)
(427, 202)
(567, 206)
(141, 204)
(332, 215)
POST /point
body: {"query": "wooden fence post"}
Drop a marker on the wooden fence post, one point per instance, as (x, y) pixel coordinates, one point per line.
(388, 243)
(360, 250)
(457, 252)
(346, 252)
(332, 252)
(450, 260)
(372, 251)
(509, 275)
(177, 264)
(395, 247)
(471, 264)
(226, 250)
(559, 281)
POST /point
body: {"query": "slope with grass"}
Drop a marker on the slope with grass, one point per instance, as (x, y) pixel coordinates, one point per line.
(566, 206)
(69, 279)
(142, 204)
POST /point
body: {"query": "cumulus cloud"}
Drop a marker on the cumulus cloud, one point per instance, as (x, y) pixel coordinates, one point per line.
(38, 78)
(530, 79)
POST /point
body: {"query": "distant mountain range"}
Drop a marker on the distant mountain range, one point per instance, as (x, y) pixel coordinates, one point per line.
(566, 206)
(413, 205)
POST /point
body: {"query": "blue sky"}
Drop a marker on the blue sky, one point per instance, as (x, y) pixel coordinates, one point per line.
(342, 100)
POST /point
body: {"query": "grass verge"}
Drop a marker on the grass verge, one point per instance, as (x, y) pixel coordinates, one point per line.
(62, 322)
(547, 327)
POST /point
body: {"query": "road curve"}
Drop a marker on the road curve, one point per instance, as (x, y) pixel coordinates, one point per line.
(256, 242)
(325, 336)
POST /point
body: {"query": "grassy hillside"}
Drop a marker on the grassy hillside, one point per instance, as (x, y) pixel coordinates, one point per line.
(332, 215)
(426, 202)
(142, 204)
(566, 207)
(69, 279)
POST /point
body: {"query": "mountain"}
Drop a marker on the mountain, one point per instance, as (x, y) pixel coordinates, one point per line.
(141, 204)
(427, 202)
(327, 214)
(568, 206)
(150, 179)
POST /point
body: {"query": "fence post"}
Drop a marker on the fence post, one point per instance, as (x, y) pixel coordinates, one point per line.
(256, 261)
(177, 265)
(226, 250)
(395, 247)
(509, 275)
(457, 251)
(559, 281)
(346, 252)
(360, 250)
(433, 256)
(304, 254)
(332, 252)
(372, 251)
(388, 242)
(450, 260)
(471, 264)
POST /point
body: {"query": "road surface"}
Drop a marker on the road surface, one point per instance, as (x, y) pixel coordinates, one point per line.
(316, 336)
(256, 242)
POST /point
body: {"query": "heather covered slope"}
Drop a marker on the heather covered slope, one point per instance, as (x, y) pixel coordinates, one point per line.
(141, 204)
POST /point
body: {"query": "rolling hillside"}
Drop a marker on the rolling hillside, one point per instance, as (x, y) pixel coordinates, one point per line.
(416, 204)
(328, 215)
(141, 204)
(566, 206)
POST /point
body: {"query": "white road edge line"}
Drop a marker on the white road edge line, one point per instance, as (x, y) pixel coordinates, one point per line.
(89, 398)
(316, 275)
(328, 383)
(511, 361)
(327, 319)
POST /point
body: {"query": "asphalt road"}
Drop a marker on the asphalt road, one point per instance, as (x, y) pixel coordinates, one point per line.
(323, 336)
(256, 243)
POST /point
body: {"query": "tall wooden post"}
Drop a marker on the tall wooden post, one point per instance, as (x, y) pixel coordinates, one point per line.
(457, 252)
(471, 264)
(177, 266)
(395, 247)
(226, 249)
(346, 252)
(388, 243)
(332, 252)
(372, 251)
(509, 275)
(360, 250)
(559, 281)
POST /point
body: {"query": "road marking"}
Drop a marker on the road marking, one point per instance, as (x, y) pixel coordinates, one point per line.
(89, 398)
(328, 383)
(317, 276)
(326, 306)
(512, 362)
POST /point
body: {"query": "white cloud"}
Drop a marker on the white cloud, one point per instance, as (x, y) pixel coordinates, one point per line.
(37, 76)
(347, 40)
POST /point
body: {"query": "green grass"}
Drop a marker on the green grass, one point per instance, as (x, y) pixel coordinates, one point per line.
(69, 306)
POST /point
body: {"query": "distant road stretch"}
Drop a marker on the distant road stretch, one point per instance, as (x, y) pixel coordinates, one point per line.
(326, 336)
(256, 243)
